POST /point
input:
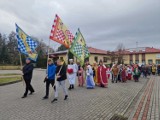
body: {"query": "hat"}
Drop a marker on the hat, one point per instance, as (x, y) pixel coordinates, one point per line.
(71, 60)
(28, 58)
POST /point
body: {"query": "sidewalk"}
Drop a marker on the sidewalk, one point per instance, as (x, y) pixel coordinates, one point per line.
(83, 104)
(148, 106)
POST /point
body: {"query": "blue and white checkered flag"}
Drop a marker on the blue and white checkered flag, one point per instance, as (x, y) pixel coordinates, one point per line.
(26, 45)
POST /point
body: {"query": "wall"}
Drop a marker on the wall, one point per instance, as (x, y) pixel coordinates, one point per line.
(100, 57)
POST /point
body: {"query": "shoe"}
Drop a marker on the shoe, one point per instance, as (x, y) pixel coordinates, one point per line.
(70, 87)
(45, 97)
(66, 96)
(54, 100)
(31, 93)
(24, 96)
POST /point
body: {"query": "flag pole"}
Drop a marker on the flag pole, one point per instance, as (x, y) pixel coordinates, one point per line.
(48, 55)
(20, 59)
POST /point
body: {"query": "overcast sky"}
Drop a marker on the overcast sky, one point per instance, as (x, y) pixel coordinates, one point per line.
(103, 23)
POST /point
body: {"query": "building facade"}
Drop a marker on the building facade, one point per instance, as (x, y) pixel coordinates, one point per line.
(95, 56)
(142, 55)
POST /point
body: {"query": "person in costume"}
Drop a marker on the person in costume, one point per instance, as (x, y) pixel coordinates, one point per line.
(136, 73)
(72, 73)
(50, 79)
(89, 78)
(80, 75)
(95, 75)
(153, 69)
(129, 71)
(27, 76)
(102, 76)
(115, 72)
(108, 71)
(124, 74)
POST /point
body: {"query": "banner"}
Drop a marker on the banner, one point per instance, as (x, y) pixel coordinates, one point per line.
(26, 45)
(60, 33)
(79, 48)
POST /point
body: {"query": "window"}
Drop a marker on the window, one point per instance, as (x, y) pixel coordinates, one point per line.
(143, 57)
(137, 57)
(157, 61)
(131, 62)
(137, 61)
(104, 59)
(150, 61)
(143, 61)
(131, 57)
(96, 59)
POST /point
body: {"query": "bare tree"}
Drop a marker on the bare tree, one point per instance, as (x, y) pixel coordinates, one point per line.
(120, 53)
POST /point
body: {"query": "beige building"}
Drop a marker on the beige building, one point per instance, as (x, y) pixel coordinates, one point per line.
(145, 55)
(95, 55)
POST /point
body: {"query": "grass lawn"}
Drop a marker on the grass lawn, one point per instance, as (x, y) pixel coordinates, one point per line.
(8, 80)
(9, 74)
(10, 67)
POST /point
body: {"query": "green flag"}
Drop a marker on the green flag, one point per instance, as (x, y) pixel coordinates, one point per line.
(79, 48)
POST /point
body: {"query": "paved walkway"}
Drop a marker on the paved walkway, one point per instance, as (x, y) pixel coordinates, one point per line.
(148, 106)
(83, 104)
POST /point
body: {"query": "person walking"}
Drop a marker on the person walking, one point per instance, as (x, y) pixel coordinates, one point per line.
(102, 76)
(27, 76)
(72, 73)
(80, 75)
(50, 78)
(61, 77)
(90, 84)
(115, 71)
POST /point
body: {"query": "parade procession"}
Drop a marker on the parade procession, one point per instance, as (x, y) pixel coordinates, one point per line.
(79, 60)
(78, 68)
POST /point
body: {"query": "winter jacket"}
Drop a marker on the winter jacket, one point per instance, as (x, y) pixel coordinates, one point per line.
(27, 71)
(51, 72)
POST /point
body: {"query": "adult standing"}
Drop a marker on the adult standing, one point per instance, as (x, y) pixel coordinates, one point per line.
(124, 74)
(115, 71)
(89, 78)
(136, 73)
(129, 71)
(61, 77)
(153, 69)
(50, 79)
(27, 76)
(72, 73)
(80, 75)
(102, 76)
(95, 74)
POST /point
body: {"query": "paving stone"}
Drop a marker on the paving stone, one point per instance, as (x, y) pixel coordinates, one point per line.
(83, 104)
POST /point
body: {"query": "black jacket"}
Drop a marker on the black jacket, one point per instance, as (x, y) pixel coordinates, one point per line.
(27, 71)
(62, 73)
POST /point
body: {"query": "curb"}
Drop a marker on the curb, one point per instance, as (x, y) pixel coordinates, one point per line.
(137, 103)
(124, 112)
(3, 84)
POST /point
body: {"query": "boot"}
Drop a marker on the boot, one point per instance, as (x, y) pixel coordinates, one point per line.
(54, 100)
(66, 96)
(70, 87)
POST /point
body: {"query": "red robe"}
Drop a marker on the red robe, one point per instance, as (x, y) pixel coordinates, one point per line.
(102, 76)
(124, 79)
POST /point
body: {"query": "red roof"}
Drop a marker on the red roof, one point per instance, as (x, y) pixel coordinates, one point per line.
(96, 51)
(142, 50)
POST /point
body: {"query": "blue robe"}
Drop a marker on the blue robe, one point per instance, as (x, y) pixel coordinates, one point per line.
(89, 79)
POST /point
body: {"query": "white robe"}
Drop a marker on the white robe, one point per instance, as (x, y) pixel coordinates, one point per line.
(72, 77)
